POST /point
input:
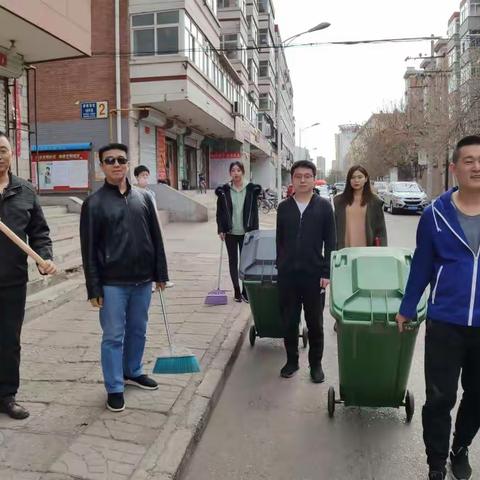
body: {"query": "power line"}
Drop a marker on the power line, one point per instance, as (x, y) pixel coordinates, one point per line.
(263, 48)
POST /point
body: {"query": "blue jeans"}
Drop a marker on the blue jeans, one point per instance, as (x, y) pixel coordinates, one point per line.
(123, 318)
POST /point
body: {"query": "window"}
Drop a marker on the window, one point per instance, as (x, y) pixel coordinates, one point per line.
(212, 4)
(155, 33)
(252, 29)
(264, 6)
(265, 102)
(234, 47)
(464, 13)
(263, 37)
(252, 71)
(241, 4)
(230, 46)
(475, 8)
(263, 70)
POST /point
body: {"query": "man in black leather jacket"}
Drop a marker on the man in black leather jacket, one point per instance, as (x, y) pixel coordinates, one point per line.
(123, 252)
(20, 210)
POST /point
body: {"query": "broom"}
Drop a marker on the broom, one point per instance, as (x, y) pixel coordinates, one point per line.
(22, 245)
(174, 361)
(217, 297)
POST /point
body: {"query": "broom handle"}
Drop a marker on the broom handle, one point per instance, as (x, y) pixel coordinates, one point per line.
(167, 327)
(22, 245)
(220, 266)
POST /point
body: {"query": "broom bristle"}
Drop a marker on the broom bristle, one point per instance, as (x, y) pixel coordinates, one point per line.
(173, 365)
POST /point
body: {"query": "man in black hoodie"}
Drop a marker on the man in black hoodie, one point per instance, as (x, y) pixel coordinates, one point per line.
(305, 240)
(20, 210)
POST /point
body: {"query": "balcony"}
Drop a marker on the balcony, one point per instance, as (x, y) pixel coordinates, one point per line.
(47, 31)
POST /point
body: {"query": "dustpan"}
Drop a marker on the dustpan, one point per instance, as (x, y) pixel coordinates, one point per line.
(217, 297)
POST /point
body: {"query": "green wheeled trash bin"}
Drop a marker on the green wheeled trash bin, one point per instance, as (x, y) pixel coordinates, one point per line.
(259, 275)
(374, 358)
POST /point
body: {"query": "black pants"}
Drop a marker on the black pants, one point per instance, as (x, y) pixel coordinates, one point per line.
(12, 311)
(234, 244)
(296, 291)
(450, 350)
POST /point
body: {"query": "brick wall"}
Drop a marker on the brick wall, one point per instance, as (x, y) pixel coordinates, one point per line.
(63, 83)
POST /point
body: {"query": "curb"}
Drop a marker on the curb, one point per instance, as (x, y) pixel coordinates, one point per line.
(168, 456)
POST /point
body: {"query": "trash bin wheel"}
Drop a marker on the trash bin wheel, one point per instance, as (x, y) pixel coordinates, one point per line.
(331, 402)
(305, 337)
(409, 405)
(252, 335)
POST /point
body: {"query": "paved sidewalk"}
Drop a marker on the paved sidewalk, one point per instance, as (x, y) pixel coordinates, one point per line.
(70, 435)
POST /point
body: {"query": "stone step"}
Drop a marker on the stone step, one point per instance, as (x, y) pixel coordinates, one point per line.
(66, 257)
(54, 210)
(54, 296)
(62, 218)
(70, 228)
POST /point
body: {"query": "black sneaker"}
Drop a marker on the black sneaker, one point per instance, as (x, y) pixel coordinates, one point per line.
(245, 297)
(9, 406)
(461, 468)
(437, 475)
(289, 370)
(116, 402)
(238, 296)
(317, 375)
(142, 381)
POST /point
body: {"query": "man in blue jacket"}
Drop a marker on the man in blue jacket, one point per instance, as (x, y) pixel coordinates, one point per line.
(447, 258)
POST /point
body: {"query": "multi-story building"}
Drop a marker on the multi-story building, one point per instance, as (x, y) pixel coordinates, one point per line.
(453, 55)
(178, 85)
(285, 119)
(469, 33)
(32, 32)
(321, 168)
(342, 144)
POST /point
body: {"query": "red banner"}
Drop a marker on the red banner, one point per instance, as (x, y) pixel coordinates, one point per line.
(224, 155)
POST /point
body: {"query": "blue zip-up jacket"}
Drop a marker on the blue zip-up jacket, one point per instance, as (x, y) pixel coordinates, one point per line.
(444, 260)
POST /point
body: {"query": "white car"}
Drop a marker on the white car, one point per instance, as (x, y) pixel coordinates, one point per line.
(405, 196)
(323, 191)
(380, 188)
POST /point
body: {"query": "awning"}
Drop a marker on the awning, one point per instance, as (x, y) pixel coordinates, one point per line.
(64, 147)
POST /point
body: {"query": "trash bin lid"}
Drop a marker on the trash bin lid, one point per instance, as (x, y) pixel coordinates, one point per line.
(368, 284)
(259, 253)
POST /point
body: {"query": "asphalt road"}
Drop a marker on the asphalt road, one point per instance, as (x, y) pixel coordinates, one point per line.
(266, 427)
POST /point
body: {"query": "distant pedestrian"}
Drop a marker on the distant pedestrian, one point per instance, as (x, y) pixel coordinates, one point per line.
(20, 210)
(447, 258)
(122, 250)
(237, 214)
(142, 175)
(359, 213)
(305, 240)
(202, 183)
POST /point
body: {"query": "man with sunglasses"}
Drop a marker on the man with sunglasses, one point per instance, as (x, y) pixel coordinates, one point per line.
(305, 240)
(123, 252)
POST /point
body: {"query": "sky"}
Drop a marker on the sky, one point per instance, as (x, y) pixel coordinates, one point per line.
(336, 85)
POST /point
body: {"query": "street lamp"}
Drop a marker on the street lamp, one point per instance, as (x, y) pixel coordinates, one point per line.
(303, 129)
(288, 41)
(320, 26)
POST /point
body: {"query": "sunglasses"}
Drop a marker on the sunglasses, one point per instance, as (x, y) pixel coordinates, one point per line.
(112, 160)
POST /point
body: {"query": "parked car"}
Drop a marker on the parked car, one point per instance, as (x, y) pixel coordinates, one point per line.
(323, 191)
(380, 188)
(340, 187)
(405, 196)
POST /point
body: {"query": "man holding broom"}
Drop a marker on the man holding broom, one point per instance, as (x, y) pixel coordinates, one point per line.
(123, 252)
(20, 211)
